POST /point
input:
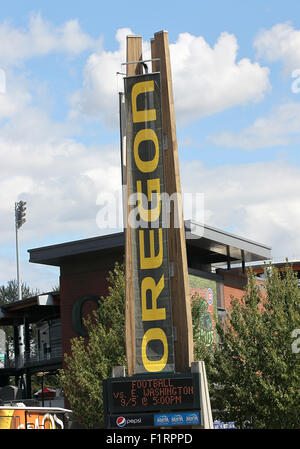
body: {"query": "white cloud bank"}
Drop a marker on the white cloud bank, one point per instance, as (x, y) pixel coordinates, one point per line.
(54, 175)
(210, 79)
(216, 79)
(257, 201)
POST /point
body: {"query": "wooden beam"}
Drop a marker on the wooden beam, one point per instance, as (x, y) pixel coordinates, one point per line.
(134, 53)
(181, 306)
(155, 64)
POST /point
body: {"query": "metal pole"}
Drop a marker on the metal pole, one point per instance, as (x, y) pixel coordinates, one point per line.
(228, 257)
(43, 390)
(18, 258)
(20, 329)
(122, 113)
(243, 261)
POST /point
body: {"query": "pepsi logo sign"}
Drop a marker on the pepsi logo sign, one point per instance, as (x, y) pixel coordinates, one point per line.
(121, 421)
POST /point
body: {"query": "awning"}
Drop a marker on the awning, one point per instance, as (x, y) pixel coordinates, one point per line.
(211, 245)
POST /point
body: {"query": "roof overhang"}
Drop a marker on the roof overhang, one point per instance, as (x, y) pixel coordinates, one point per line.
(221, 246)
(212, 245)
(57, 254)
(35, 307)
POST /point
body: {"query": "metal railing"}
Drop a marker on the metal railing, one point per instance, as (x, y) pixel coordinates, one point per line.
(32, 358)
(36, 357)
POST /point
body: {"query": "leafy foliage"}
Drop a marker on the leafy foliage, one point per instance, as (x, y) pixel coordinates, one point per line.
(255, 369)
(91, 361)
(9, 292)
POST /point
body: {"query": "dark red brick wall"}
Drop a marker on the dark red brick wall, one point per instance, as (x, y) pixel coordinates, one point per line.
(73, 287)
(234, 285)
(79, 277)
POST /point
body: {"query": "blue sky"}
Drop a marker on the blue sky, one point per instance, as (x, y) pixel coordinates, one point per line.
(237, 104)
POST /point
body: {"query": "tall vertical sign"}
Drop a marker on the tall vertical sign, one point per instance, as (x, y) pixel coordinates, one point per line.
(133, 67)
(156, 303)
(154, 347)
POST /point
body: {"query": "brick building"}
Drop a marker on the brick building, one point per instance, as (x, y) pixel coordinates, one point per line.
(84, 266)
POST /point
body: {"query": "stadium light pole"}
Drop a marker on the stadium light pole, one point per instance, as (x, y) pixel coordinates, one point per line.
(20, 213)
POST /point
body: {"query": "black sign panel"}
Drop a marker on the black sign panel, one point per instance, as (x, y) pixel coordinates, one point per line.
(150, 393)
(152, 302)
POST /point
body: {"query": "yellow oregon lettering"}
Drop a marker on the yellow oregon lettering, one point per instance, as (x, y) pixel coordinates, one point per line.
(153, 185)
(153, 313)
(154, 365)
(142, 136)
(146, 145)
(153, 261)
(147, 114)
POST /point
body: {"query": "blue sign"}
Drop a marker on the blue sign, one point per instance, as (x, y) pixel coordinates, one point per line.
(224, 425)
(177, 419)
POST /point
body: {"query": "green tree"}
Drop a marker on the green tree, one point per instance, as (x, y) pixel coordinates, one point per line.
(91, 361)
(254, 368)
(9, 292)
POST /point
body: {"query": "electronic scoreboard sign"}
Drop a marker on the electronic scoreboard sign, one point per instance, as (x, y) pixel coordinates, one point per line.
(151, 393)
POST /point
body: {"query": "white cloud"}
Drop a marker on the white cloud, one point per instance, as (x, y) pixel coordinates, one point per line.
(206, 79)
(257, 201)
(15, 97)
(57, 183)
(280, 128)
(280, 43)
(42, 38)
(210, 79)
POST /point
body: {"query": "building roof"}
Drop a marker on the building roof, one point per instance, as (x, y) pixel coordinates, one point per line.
(211, 245)
(222, 244)
(280, 265)
(37, 306)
